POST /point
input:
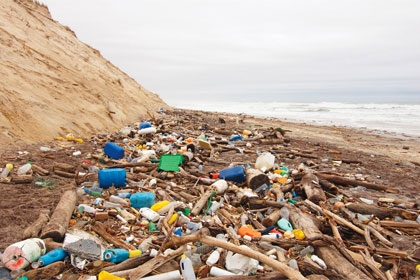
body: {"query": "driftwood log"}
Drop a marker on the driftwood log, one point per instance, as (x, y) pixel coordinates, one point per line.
(312, 188)
(21, 179)
(199, 205)
(380, 212)
(349, 182)
(272, 218)
(35, 228)
(306, 222)
(289, 272)
(46, 272)
(100, 229)
(59, 222)
(334, 260)
(255, 178)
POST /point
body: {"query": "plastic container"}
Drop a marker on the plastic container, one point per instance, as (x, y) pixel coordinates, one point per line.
(117, 199)
(246, 230)
(214, 257)
(147, 130)
(112, 177)
(144, 125)
(6, 170)
(24, 168)
(159, 205)
(234, 174)
(284, 224)
(319, 261)
(116, 255)
(113, 150)
(105, 275)
(149, 214)
(265, 161)
(220, 186)
(21, 254)
(187, 268)
(307, 250)
(142, 199)
(216, 272)
(55, 255)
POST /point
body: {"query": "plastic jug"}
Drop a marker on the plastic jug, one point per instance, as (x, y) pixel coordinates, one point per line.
(142, 199)
(55, 255)
(234, 174)
(265, 161)
(112, 176)
(187, 268)
(113, 150)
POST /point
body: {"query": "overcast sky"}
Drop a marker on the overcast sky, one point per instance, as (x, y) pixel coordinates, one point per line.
(297, 50)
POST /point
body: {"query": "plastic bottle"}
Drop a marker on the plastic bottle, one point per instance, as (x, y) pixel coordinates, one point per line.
(24, 168)
(86, 208)
(55, 255)
(105, 275)
(6, 170)
(187, 269)
(307, 250)
(293, 264)
(319, 261)
(220, 186)
(116, 255)
(159, 205)
(149, 214)
(117, 199)
(145, 244)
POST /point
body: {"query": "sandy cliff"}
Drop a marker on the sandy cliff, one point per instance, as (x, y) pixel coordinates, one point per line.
(53, 84)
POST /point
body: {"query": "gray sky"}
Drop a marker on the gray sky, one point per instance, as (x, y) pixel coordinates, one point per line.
(326, 50)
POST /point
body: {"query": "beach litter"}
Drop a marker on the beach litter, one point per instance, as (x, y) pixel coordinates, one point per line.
(205, 201)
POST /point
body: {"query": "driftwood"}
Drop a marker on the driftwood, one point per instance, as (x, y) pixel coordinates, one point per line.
(150, 265)
(265, 276)
(35, 228)
(50, 244)
(255, 178)
(129, 263)
(64, 167)
(380, 212)
(272, 218)
(21, 179)
(100, 229)
(64, 174)
(199, 205)
(243, 250)
(41, 171)
(46, 272)
(349, 182)
(270, 141)
(59, 222)
(307, 223)
(312, 188)
(334, 260)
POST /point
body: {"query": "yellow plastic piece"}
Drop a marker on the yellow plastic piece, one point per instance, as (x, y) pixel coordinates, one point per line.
(105, 275)
(173, 219)
(9, 166)
(79, 140)
(299, 235)
(134, 253)
(70, 137)
(246, 132)
(159, 205)
(418, 269)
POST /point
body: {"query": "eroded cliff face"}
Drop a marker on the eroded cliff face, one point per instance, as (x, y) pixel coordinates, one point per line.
(52, 84)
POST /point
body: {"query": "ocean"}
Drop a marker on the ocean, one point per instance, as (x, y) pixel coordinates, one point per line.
(393, 119)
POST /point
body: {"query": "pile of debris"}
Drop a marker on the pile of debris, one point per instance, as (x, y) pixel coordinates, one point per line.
(181, 196)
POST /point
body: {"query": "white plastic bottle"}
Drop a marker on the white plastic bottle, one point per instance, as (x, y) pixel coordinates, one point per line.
(149, 214)
(214, 257)
(187, 269)
(6, 170)
(24, 168)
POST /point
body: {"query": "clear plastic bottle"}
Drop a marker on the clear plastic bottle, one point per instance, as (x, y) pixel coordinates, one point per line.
(6, 170)
(24, 168)
(307, 250)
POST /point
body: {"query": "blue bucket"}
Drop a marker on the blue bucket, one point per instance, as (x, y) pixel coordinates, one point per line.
(113, 150)
(235, 174)
(112, 176)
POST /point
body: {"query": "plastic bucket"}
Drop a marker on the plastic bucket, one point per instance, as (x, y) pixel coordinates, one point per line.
(235, 174)
(112, 176)
(21, 254)
(113, 150)
(142, 200)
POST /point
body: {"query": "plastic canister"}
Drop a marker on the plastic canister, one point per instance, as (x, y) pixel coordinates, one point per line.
(111, 176)
(21, 254)
(142, 199)
(149, 214)
(220, 186)
(147, 130)
(265, 161)
(116, 255)
(235, 174)
(246, 230)
(187, 268)
(113, 150)
(55, 255)
(215, 272)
